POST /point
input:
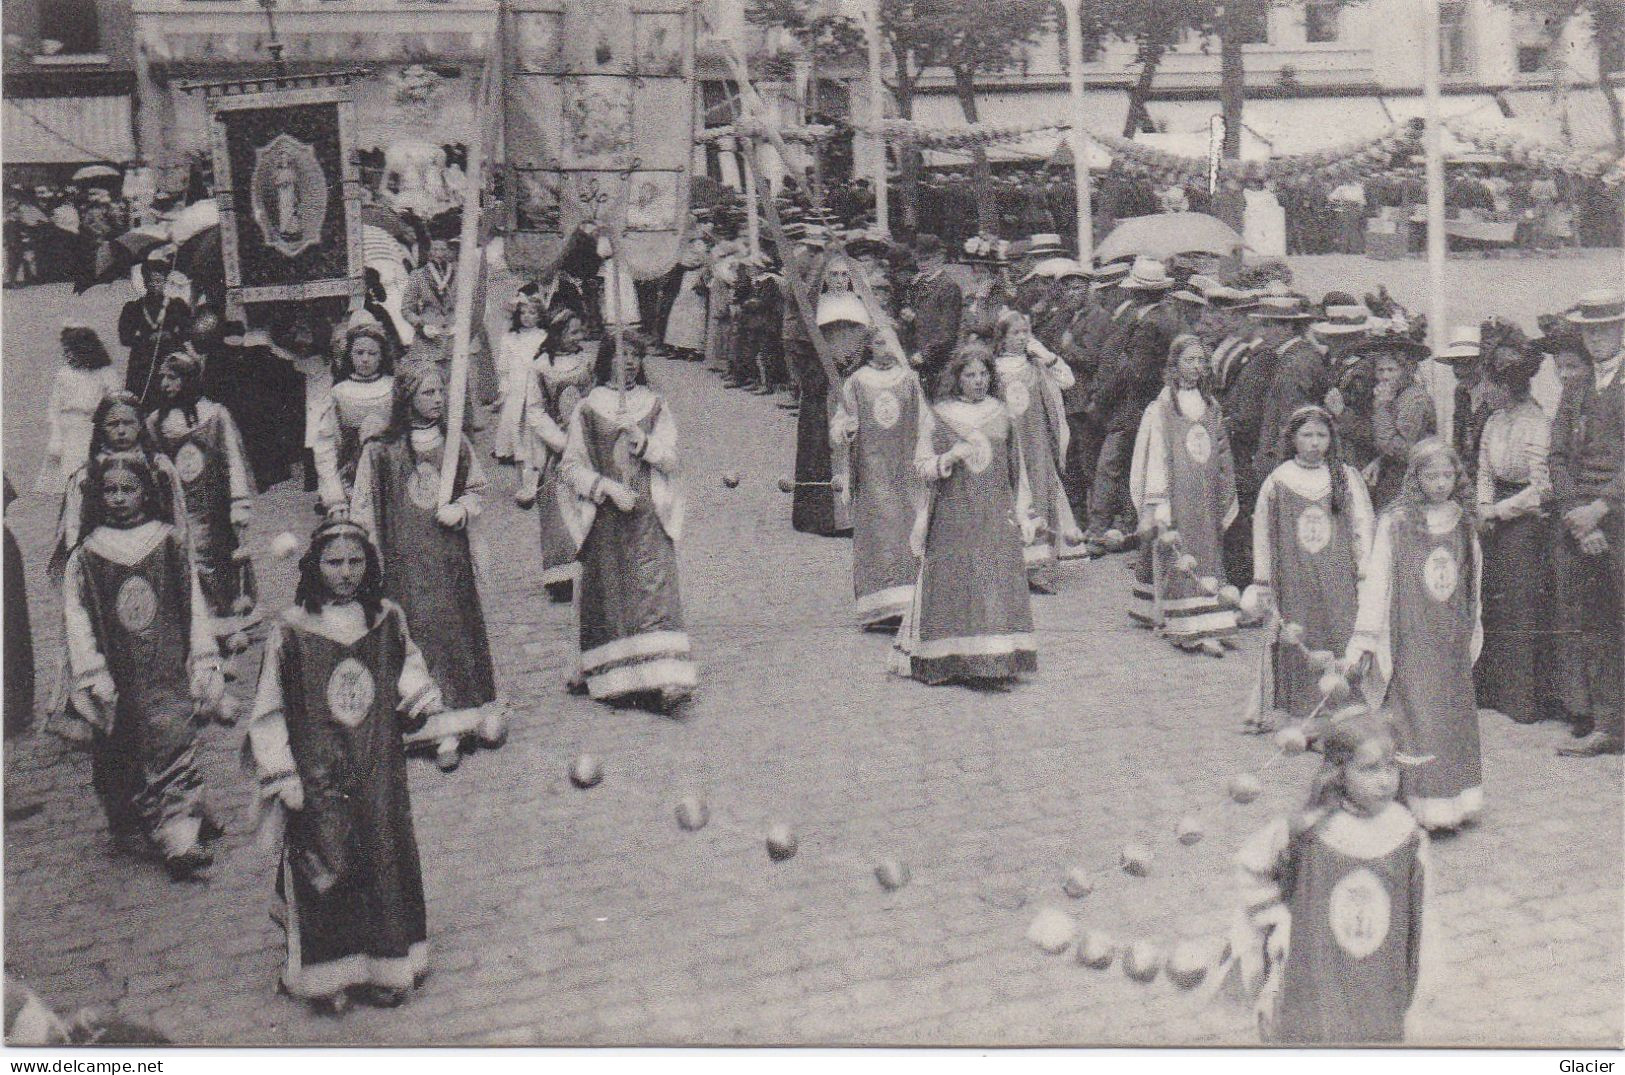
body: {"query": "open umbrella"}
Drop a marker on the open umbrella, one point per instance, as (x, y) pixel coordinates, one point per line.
(202, 260)
(389, 221)
(116, 257)
(92, 172)
(1164, 235)
(379, 245)
(193, 219)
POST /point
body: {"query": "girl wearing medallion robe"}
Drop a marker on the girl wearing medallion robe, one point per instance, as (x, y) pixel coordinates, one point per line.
(625, 510)
(558, 380)
(201, 440)
(427, 551)
(1183, 483)
(1418, 634)
(356, 409)
(877, 420)
(1336, 899)
(1032, 378)
(971, 619)
(340, 683)
(142, 660)
(1311, 533)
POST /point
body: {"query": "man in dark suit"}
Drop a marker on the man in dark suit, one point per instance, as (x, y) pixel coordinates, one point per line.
(1080, 347)
(931, 312)
(1587, 466)
(1301, 377)
(149, 324)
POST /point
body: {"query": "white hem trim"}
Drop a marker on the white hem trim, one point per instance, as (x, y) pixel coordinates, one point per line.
(648, 644)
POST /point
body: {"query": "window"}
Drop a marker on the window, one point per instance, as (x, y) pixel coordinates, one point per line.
(1531, 59)
(1455, 39)
(71, 22)
(1321, 21)
(1250, 21)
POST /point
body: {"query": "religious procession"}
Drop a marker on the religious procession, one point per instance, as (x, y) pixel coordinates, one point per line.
(481, 573)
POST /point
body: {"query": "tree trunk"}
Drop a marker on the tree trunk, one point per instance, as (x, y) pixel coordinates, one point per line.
(1608, 30)
(1150, 58)
(987, 217)
(908, 156)
(1232, 77)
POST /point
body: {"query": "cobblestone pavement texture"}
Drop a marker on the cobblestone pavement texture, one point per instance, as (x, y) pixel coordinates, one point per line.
(565, 916)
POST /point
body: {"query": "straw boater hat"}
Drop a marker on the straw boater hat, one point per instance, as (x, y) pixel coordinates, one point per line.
(1344, 320)
(1602, 307)
(1466, 345)
(1148, 274)
(1110, 274)
(1271, 307)
(1043, 245)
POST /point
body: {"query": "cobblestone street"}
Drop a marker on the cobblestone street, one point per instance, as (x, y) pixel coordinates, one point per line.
(562, 916)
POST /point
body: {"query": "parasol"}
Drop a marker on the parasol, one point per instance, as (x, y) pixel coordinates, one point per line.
(96, 171)
(1055, 268)
(116, 257)
(379, 245)
(202, 260)
(1164, 235)
(388, 221)
(193, 219)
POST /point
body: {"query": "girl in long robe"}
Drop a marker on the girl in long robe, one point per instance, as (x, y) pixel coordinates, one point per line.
(877, 422)
(142, 659)
(341, 681)
(85, 379)
(1338, 895)
(1032, 378)
(1311, 533)
(971, 620)
(518, 350)
(202, 442)
(1183, 483)
(428, 552)
(685, 325)
(357, 408)
(116, 426)
(560, 378)
(1418, 633)
(626, 515)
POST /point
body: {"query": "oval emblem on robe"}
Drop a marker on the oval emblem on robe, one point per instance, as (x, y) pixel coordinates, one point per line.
(423, 487)
(1017, 397)
(1198, 444)
(350, 692)
(1359, 910)
(189, 462)
(136, 604)
(886, 409)
(1314, 529)
(981, 452)
(1440, 574)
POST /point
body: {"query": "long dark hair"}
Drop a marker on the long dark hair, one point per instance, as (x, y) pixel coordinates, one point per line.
(1345, 733)
(1410, 510)
(603, 367)
(84, 349)
(1334, 450)
(344, 370)
(948, 381)
(1170, 373)
(312, 592)
(95, 510)
(98, 437)
(408, 379)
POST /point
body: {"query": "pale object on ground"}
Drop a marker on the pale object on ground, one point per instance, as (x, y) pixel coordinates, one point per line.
(1052, 931)
(1136, 859)
(1245, 787)
(1078, 883)
(781, 842)
(1142, 961)
(1097, 949)
(1189, 831)
(586, 771)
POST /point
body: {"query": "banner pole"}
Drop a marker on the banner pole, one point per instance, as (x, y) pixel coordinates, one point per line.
(1434, 150)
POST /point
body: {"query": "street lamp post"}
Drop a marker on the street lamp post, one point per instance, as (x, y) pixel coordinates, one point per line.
(877, 116)
(1434, 151)
(1073, 10)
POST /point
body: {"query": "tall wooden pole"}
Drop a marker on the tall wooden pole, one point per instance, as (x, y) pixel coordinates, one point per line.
(753, 219)
(877, 117)
(1080, 136)
(1434, 150)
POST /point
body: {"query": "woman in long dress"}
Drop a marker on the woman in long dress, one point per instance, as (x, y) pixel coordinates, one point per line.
(202, 442)
(340, 683)
(877, 424)
(357, 408)
(1183, 483)
(1311, 533)
(427, 552)
(685, 325)
(559, 379)
(1516, 675)
(971, 620)
(142, 660)
(85, 379)
(1418, 635)
(518, 350)
(1033, 377)
(626, 515)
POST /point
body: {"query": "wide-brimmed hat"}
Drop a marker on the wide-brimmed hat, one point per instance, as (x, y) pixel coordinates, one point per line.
(1603, 307)
(1148, 274)
(1387, 336)
(1521, 361)
(1344, 320)
(1110, 274)
(1466, 345)
(1553, 342)
(1272, 307)
(1185, 294)
(1043, 245)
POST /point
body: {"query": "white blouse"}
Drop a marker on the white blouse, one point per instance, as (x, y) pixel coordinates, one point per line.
(1513, 449)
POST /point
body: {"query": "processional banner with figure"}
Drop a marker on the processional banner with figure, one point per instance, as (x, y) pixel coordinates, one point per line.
(288, 186)
(599, 110)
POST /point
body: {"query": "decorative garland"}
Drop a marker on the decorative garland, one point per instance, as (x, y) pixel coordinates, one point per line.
(750, 128)
(1358, 157)
(909, 132)
(1598, 164)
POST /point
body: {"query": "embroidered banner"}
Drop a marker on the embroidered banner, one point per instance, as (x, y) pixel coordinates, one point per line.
(288, 189)
(599, 110)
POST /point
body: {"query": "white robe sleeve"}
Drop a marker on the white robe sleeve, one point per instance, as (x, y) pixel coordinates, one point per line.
(475, 484)
(239, 482)
(581, 492)
(267, 739)
(325, 448)
(1148, 471)
(1371, 622)
(660, 452)
(843, 425)
(1263, 529)
(1362, 519)
(363, 511)
(205, 649)
(85, 657)
(419, 694)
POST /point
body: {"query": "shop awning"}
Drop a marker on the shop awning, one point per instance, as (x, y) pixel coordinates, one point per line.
(1294, 125)
(68, 130)
(1541, 116)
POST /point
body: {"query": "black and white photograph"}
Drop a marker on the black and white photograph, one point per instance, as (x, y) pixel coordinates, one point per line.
(903, 524)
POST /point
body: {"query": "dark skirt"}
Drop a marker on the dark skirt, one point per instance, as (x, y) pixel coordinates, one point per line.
(1514, 674)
